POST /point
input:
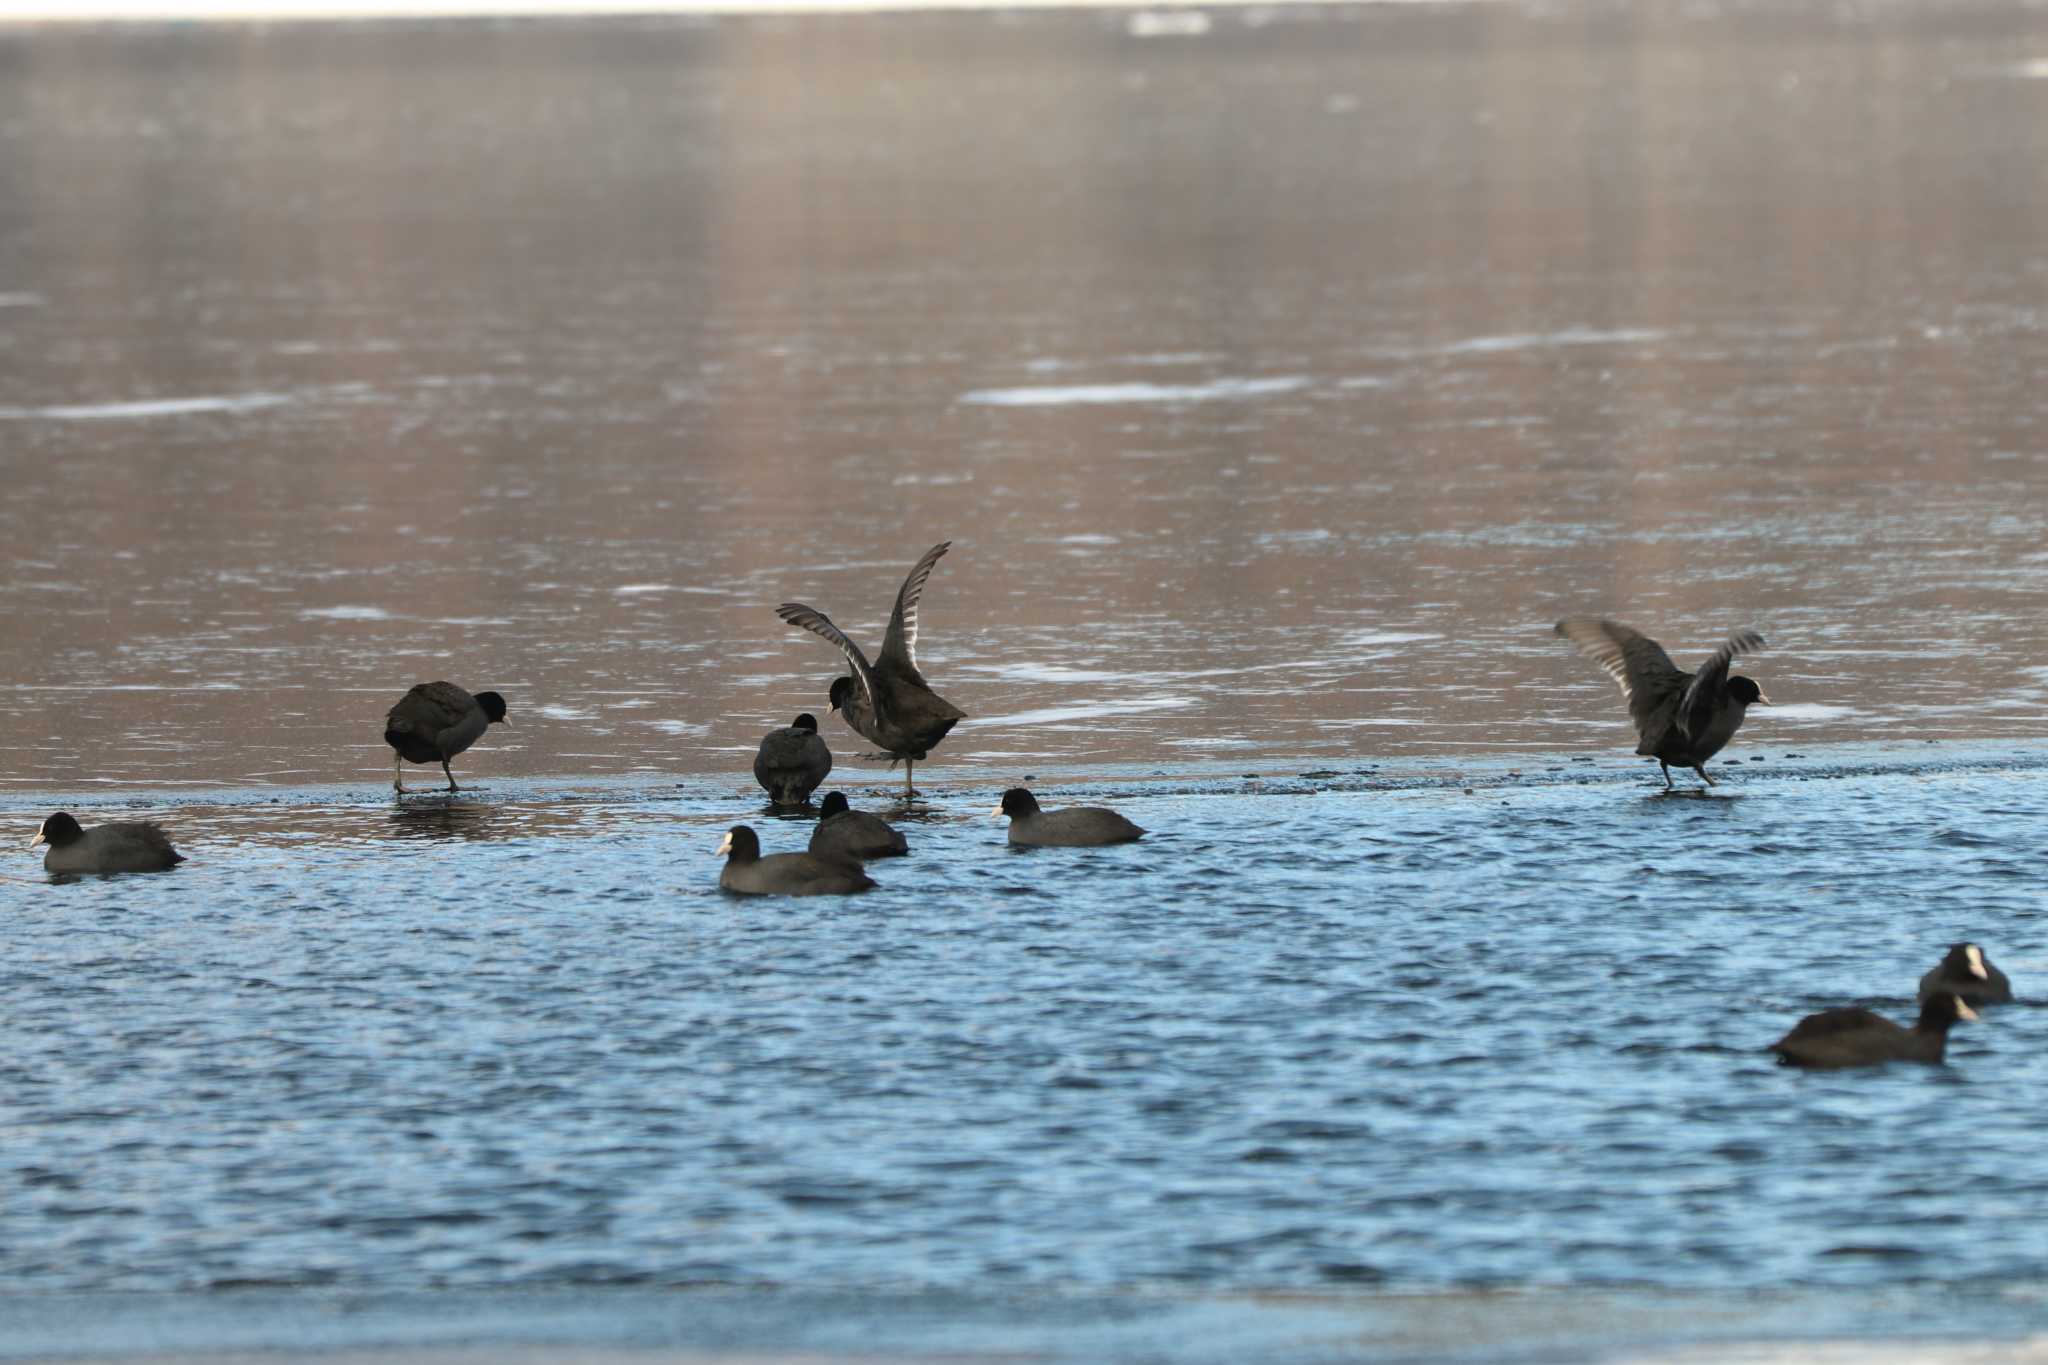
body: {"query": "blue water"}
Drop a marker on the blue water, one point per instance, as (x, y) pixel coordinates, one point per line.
(1451, 1026)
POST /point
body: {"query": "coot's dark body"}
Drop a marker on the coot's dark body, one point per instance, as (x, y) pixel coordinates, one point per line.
(436, 721)
(1856, 1037)
(1074, 827)
(120, 846)
(792, 762)
(854, 833)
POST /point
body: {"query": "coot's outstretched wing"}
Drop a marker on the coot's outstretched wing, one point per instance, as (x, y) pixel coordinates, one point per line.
(1703, 695)
(899, 646)
(1639, 666)
(815, 621)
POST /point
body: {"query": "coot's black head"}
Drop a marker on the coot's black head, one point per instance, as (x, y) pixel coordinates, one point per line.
(493, 706)
(57, 831)
(1745, 691)
(1942, 1009)
(833, 804)
(806, 721)
(842, 692)
(1965, 959)
(1018, 802)
(740, 845)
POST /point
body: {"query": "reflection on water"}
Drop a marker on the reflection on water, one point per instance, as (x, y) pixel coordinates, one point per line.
(449, 816)
(1279, 383)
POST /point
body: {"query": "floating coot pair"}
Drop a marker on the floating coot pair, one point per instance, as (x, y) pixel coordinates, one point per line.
(1851, 1036)
(840, 841)
(843, 837)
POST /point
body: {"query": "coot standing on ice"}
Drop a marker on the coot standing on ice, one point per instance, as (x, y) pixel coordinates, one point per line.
(1683, 718)
(888, 701)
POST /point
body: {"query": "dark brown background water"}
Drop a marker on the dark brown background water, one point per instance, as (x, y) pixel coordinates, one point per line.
(1278, 383)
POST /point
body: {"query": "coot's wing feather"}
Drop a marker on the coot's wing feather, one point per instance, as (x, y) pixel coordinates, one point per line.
(152, 837)
(899, 646)
(815, 621)
(430, 708)
(1844, 1020)
(1703, 696)
(1631, 658)
(1639, 666)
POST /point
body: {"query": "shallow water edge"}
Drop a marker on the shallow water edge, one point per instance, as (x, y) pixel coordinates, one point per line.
(485, 807)
(789, 1325)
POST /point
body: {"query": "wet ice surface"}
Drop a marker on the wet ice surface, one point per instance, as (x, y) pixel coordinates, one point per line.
(1278, 385)
(1441, 1027)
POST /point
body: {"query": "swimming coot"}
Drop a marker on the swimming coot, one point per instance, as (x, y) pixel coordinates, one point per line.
(1966, 972)
(854, 833)
(747, 873)
(1856, 1037)
(125, 846)
(1074, 827)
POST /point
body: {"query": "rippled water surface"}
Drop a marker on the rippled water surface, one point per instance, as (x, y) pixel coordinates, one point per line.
(1440, 1028)
(1279, 376)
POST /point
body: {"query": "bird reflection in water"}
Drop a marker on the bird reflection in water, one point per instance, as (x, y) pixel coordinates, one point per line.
(443, 817)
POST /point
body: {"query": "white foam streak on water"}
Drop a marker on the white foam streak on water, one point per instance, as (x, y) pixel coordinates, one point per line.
(1802, 710)
(1085, 711)
(1174, 23)
(1163, 22)
(1389, 637)
(1066, 395)
(1570, 336)
(344, 613)
(144, 408)
(1049, 673)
